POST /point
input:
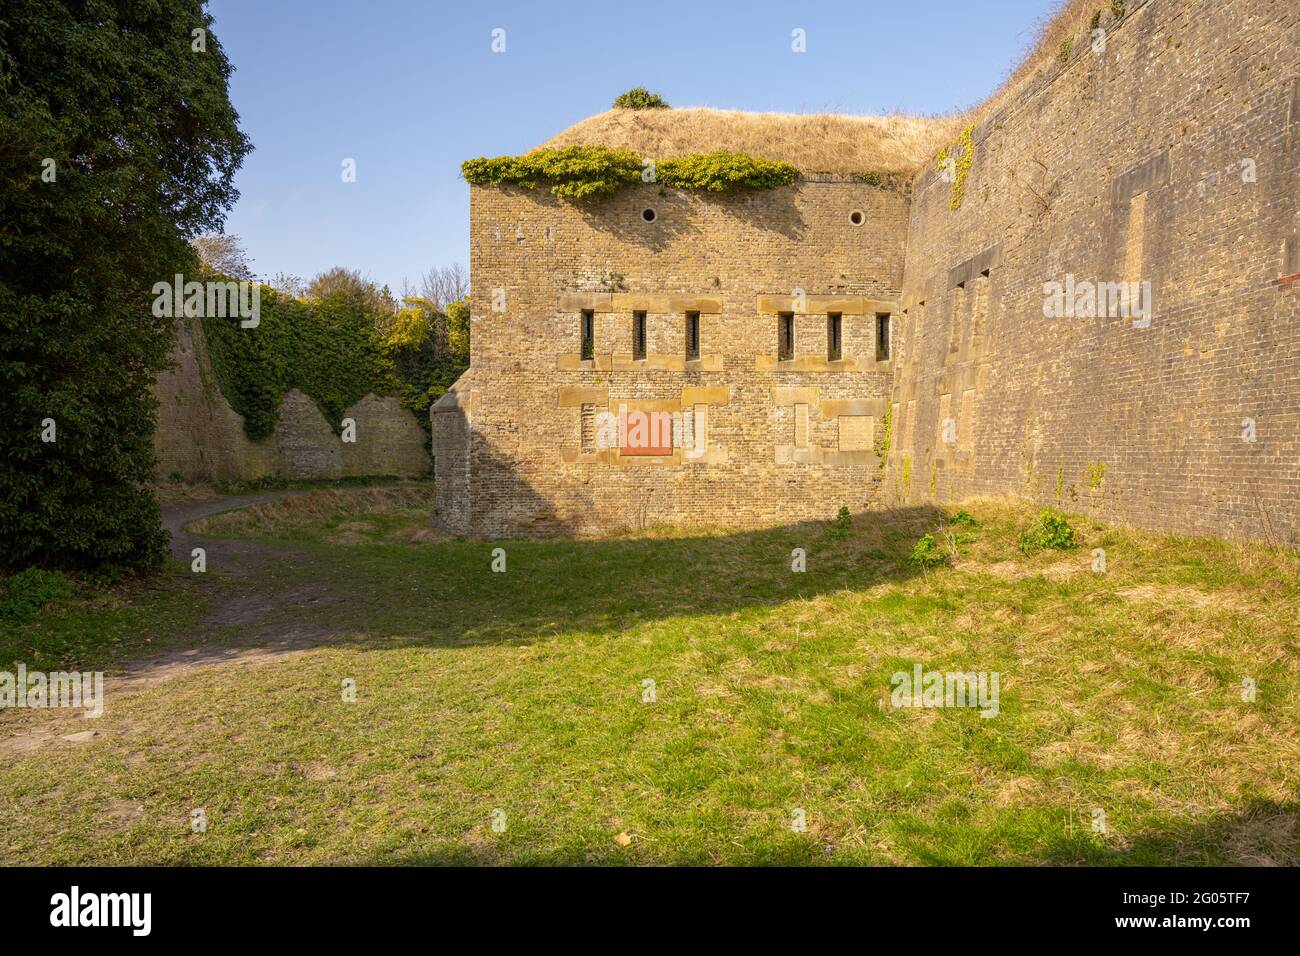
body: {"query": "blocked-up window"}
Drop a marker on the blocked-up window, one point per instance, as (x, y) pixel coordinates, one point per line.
(946, 434)
(588, 427)
(692, 336)
(1137, 221)
(785, 336)
(801, 426)
(967, 433)
(958, 318)
(980, 311)
(638, 335)
(855, 432)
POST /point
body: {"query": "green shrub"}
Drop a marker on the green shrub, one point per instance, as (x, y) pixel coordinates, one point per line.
(596, 172)
(22, 595)
(964, 518)
(723, 170)
(1117, 7)
(841, 525)
(927, 553)
(640, 99)
(1049, 532)
(572, 172)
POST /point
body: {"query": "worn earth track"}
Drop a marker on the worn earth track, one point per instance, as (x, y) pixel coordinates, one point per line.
(261, 609)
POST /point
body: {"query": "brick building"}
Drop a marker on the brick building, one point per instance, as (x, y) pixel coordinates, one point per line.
(783, 333)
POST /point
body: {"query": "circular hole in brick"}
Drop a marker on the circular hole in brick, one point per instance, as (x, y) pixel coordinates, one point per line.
(856, 217)
(649, 215)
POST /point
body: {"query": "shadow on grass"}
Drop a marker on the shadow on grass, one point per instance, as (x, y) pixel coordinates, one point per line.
(448, 594)
(1264, 833)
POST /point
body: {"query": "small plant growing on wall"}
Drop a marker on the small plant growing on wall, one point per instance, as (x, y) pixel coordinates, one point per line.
(640, 99)
(954, 163)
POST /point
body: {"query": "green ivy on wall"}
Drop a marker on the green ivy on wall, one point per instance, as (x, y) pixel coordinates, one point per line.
(597, 172)
(328, 348)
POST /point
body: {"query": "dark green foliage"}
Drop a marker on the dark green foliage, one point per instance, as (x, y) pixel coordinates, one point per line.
(1050, 531)
(841, 526)
(640, 99)
(926, 553)
(595, 172)
(22, 595)
(144, 144)
(329, 349)
(964, 518)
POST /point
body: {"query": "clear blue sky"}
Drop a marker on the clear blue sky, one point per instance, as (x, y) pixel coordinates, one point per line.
(411, 88)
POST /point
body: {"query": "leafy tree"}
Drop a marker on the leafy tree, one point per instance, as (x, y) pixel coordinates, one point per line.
(640, 99)
(118, 143)
(352, 285)
(223, 256)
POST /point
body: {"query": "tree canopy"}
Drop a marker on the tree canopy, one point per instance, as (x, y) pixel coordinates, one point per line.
(118, 144)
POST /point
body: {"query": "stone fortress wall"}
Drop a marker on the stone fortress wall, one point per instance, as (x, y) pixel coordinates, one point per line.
(1167, 154)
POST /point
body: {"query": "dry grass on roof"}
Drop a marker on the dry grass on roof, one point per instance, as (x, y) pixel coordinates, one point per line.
(815, 143)
(837, 143)
(1068, 19)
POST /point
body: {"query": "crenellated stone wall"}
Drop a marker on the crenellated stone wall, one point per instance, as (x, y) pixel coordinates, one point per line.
(201, 438)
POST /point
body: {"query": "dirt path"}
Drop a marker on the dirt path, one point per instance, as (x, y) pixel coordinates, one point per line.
(255, 617)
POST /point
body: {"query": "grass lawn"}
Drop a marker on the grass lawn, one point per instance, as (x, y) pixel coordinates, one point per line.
(523, 692)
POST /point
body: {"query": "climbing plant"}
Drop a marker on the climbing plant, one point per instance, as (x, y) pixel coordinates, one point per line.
(955, 162)
(328, 348)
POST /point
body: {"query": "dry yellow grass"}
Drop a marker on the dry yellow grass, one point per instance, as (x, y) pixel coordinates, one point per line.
(832, 143)
(815, 143)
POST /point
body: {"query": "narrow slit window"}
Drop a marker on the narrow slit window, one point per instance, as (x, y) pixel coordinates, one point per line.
(692, 336)
(834, 326)
(882, 337)
(588, 334)
(638, 335)
(785, 336)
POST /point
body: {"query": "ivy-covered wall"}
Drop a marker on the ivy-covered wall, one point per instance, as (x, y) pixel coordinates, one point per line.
(201, 437)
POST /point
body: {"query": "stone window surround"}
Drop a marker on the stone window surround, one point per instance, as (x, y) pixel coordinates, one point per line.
(694, 398)
(820, 306)
(632, 303)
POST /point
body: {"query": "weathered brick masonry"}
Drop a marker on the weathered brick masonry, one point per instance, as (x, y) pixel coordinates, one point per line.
(783, 440)
(1121, 164)
(1172, 156)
